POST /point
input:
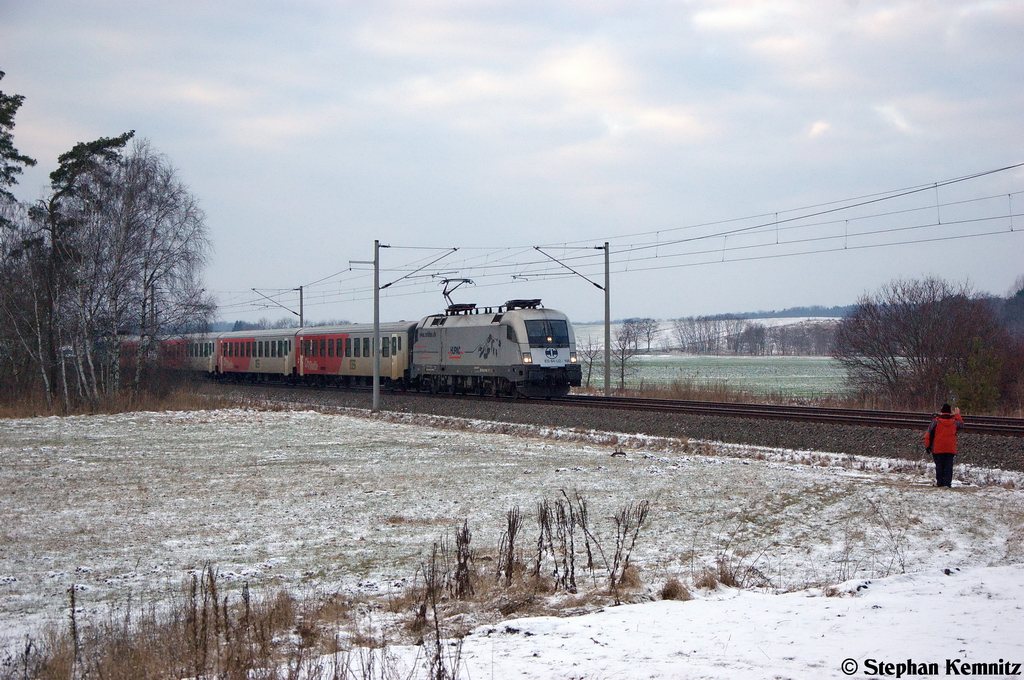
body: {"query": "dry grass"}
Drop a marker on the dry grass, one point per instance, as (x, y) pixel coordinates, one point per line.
(183, 397)
(208, 630)
(687, 390)
(200, 635)
(675, 590)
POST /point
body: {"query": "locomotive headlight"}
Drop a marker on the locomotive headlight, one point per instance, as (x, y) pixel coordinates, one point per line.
(527, 358)
(572, 357)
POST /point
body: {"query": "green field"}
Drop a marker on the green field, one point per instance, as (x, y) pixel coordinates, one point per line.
(791, 376)
(785, 375)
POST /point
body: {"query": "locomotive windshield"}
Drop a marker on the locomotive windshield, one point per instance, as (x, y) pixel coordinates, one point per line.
(548, 333)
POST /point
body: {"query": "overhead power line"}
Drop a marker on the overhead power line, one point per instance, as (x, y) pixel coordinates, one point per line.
(786, 234)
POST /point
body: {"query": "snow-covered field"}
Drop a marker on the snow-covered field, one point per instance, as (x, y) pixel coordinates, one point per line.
(881, 626)
(124, 505)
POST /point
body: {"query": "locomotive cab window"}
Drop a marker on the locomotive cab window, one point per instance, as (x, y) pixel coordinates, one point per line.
(548, 332)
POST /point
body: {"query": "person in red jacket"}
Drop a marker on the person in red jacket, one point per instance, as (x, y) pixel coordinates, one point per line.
(940, 441)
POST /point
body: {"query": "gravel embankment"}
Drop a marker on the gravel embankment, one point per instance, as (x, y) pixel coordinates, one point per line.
(1005, 453)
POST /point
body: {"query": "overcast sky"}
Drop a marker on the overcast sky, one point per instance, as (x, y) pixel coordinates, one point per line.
(697, 137)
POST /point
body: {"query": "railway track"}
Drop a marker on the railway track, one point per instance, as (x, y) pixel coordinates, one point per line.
(904, 420)
(989, 425)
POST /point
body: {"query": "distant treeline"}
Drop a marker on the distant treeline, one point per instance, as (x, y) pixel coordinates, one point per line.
(265, 324)
(734, 335)
(837, 311)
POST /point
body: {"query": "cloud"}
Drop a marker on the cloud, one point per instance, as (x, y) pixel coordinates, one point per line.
(432, 117)
(737, 17)
(892, 115)
(578, 91)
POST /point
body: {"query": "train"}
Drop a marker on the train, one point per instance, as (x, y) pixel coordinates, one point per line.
(519, 349)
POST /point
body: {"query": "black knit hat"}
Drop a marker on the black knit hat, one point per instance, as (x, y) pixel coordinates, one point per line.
(946, 409)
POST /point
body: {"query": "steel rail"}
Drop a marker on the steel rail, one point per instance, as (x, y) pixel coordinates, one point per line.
(906, 420)
(989, 425)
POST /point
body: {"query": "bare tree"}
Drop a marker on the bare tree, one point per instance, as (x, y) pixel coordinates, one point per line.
(648, 330)
(625, 347)
(731, 331)
(700, 334)
(591, 356)
(906, 340)
(753, 340)
(167, 229)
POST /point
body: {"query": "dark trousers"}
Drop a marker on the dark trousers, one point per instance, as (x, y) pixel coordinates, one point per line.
(943, 468)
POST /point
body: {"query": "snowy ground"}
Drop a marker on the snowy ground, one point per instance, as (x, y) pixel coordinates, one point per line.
(967, 617)
(125, 505)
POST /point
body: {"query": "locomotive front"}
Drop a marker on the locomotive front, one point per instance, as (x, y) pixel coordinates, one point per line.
(518, 348)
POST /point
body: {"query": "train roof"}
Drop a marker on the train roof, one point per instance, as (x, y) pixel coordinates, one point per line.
(470, 308)
(360, 328)
(471, 315)
(266, 333)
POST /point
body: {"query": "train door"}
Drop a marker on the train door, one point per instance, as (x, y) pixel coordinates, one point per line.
(397, 365)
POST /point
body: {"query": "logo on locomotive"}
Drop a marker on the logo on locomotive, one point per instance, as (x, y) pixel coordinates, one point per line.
(454, 352)
(488, 347)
